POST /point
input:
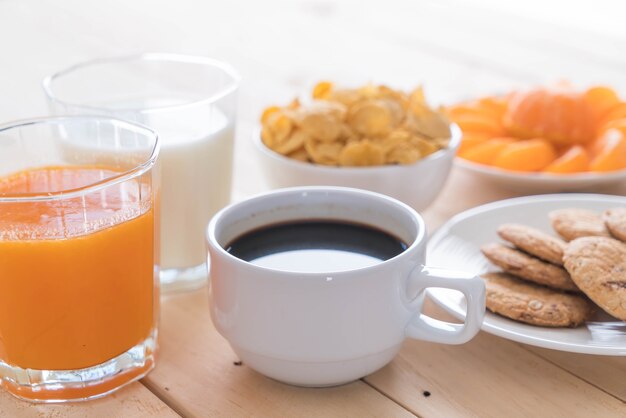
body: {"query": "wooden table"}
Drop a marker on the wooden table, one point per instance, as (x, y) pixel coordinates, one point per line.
(458, 49)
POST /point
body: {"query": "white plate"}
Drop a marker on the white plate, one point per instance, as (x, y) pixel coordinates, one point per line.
(456, 245)
(544, 182)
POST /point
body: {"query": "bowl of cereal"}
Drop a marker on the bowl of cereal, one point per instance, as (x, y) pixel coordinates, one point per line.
(372, 138)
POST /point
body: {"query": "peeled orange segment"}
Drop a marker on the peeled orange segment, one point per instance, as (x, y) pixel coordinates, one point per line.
(496, 105)
(619, 124)
(609, 152)
(574, 160)
(470, 140)
(561, 117)
(482, 124)
(618, 112)
(601, 100)
(595, 148)
(465, 110)
(486, 152)
(493, 107)
(598, 146)
(472, 109)
(528, 155)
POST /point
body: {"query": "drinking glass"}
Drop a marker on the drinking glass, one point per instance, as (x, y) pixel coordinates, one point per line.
(79, 286)
(191, 102)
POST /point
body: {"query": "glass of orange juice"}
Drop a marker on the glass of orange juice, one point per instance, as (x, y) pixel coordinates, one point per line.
(79, 259)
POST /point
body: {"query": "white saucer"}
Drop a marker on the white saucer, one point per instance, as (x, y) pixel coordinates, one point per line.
(456, 245)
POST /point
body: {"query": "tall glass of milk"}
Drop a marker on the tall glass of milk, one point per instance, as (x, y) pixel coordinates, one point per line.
(191, 102)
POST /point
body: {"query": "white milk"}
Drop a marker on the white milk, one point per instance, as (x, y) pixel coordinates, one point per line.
(196, 176)
(196, 161)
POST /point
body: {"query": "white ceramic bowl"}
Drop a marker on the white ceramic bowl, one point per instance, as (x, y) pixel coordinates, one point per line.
(534, 183)
(416, 184)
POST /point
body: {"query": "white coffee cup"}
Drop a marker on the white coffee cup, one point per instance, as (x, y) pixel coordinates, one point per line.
(330, 328)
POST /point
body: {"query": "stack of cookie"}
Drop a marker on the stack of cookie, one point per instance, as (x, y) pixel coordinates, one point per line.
(549, 281)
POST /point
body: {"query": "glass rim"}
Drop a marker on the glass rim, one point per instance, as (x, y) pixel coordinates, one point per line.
(48, 81)
(121, 177)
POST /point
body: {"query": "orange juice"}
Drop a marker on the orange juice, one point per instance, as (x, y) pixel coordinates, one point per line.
(76, 274)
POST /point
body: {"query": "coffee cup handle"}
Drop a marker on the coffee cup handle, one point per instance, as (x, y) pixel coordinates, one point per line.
(423, 327)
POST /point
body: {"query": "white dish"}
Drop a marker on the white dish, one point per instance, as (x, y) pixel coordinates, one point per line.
(416, 184)
(544, 182)
(456, 245)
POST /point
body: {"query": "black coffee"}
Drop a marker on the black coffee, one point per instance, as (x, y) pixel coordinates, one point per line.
(316, 246)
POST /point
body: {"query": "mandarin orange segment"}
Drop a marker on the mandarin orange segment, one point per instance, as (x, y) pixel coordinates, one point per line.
(489, 107)
(470, 140)
(487, 151)
(609, 152)
(496, 105)
(559, 116)
(527, 155)
(478, 123)
(601, 101)
(468, 109)
(574, 160)
(595, 147)
(618, 112)
(619, 124)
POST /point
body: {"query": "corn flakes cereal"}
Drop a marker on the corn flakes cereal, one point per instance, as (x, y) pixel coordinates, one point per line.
(371, 118)
(345, 96)
(326, 153)
(293, 142)
(368, 126)
(322, 90)
(277, 129)
(361, 153)
(321, 126)
(395, 138)
(300, 154)
(424, 146)
(403, 153)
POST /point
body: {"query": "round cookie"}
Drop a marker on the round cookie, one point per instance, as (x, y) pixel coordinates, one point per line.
(575, 223)
(615, 220)
(598, 266)
(527, 267)
(534, 241)
(537, 305)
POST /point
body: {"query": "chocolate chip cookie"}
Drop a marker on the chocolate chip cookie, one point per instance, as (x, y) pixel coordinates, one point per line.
(615, 220)
(534, 241)
(598, 267)
(575, 223)
(527, 267)
(533, 304)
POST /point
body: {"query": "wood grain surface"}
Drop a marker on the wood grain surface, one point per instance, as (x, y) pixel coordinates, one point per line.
(200, 375)
(133, 401)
